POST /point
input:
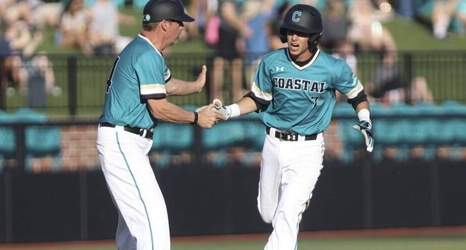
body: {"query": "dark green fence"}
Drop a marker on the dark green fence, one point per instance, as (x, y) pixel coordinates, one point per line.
(83, 80)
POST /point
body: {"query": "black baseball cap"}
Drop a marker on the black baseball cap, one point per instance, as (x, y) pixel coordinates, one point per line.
(158, 10)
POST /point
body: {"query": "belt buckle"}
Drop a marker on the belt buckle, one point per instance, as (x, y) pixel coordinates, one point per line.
(143, 132)
(284, 136)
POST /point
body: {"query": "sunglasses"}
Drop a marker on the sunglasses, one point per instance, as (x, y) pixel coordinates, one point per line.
(180, 23)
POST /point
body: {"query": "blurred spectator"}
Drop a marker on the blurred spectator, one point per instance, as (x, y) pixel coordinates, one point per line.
(419, 91)
(228, 51)
(199, 10)
(345, 50)
(440, 14)
(406, 8)
(389, 86)
(212, 23)
(461, 16)
(366, 30)
(14, 37)
(336, 22)
(73, 31)
(46, 14)
(257, 14)
(18, 47)
(14, 10)
(104, 28)
(275, 23)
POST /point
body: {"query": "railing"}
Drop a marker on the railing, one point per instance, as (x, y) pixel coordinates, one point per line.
(82, 80)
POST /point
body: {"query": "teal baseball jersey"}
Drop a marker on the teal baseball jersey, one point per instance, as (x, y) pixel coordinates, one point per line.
(139, 73)
(301, 98)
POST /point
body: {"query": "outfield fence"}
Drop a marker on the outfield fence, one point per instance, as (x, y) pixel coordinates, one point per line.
(83, 80)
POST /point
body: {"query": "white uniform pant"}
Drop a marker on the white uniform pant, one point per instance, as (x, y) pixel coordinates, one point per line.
(143, 219)
(289, 172)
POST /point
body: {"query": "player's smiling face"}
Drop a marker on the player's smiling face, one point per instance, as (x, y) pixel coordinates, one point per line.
(298, 45)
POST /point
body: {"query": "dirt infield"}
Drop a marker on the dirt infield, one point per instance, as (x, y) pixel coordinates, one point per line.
(430, 231)
(427, 231)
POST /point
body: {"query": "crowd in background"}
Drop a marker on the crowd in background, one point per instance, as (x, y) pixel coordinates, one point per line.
(238, 31)
(90, 26)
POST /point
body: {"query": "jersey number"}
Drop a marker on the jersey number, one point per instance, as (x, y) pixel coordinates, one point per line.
(110, 77)
(315, 99)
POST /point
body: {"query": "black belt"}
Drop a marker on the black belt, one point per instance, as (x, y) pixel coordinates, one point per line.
(139, 131)
(288, 136)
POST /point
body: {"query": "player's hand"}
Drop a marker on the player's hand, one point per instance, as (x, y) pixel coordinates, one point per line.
(366, 130)
(218, 108)
(225, 112)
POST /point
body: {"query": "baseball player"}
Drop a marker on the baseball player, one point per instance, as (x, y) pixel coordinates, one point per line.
(135, 100)
(294, 91)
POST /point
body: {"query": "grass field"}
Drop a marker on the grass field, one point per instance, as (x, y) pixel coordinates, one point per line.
(386, 239)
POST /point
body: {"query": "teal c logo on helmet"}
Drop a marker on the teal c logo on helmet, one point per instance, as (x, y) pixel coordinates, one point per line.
(305, 19)
(296, 17)
(146, 18)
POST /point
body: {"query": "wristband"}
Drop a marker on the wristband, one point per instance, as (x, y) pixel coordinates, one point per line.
(196, 117)
(364, 115)
(234, 110)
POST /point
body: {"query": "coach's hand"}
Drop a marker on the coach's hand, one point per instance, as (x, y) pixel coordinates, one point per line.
(366, 130)
(207, 118)
(201, 78)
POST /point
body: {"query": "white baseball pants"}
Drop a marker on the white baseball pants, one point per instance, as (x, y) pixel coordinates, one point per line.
(289, 173)
(143, 219)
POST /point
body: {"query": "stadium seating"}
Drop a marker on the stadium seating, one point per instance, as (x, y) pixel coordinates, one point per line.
(351, 139)
(245, 132)
(8, 138)
(405, 127)
(451, 131)
(171, 139)
(40, 140)
(254, 133)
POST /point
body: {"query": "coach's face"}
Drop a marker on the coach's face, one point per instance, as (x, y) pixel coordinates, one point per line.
(298, 45)
(175, 29)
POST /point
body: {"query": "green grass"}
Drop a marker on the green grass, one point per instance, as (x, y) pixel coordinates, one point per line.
(413, 36)
(358, 243)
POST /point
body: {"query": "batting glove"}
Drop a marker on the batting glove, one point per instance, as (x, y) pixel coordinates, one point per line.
(366, 130)
(218, 108)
